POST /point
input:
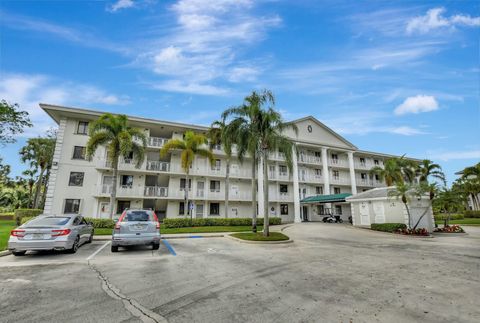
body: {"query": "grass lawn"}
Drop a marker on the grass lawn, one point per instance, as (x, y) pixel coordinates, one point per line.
(468, 221)
(274, 236)
(5, 228)
(237, 228)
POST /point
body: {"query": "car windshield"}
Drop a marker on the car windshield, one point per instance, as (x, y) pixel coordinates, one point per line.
(133, 216)
(48, 220)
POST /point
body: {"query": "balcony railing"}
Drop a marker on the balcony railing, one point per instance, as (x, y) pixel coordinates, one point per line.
(339, 180)
(157, 142)
(158, 166)
(368, 182)
(337, 162)
(276, 156)
(156, 191)
(309, 159)
(280, 196)
(134, 191)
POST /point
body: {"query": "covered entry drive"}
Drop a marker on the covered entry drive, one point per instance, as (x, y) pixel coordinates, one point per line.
(315, 208)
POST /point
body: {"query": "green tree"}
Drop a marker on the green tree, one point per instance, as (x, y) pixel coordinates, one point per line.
(193, 144)
(31, 178)
(396, 170)
(224, 134)
(260, 131)
(5, 179)
(471, 184)
(120, 140)
(428, 169)
(448, 201)
(12, 122)
(38, 152)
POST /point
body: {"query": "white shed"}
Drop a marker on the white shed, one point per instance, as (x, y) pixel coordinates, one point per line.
(377, 206)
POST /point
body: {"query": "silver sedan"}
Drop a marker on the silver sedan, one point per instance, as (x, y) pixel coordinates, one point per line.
(51, 232)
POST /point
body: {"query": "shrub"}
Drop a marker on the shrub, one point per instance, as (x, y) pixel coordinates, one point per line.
(101, 223)
(443, 216)
(450, 229)
(7, 215)
(388, 227)
(185, 222)
(472, 214)
(412, 232)
(25, 219)
(21, 213)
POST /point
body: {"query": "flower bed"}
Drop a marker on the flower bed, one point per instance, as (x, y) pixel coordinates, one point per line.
(450, 229)
(412, 232)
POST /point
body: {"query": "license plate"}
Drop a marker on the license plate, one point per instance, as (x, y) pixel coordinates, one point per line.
(139, 227)
(35, 236)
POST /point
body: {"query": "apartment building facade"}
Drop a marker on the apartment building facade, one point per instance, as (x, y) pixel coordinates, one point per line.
(324, 163)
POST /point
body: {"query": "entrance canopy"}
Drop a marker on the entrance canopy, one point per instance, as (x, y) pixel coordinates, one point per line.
(320, 199)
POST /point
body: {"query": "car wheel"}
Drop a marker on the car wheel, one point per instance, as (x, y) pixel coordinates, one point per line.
(75, 245)
(155, 246)
(19, 253)
(90, 239)
(340, 221)
(114, 249)
(329, 221)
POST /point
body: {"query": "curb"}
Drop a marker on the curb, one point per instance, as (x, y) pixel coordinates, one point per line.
(260, 242)
(5, 253)
(450, 234)
(220, 235)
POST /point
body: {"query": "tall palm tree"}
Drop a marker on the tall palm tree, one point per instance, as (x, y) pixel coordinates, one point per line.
(222, 133)
(30, 181)
(113, 132)
(39, 153)
(191, 145)
(471, 184)
(396, 170)
(260, 132)
(427, 169)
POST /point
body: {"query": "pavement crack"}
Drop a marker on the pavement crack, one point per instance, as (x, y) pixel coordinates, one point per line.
(131, 305)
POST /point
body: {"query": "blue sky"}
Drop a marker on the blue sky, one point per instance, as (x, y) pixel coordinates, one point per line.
(394, 77)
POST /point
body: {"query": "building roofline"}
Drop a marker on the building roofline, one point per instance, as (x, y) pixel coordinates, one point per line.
(321, 124)
(49, 108)
(366, 152)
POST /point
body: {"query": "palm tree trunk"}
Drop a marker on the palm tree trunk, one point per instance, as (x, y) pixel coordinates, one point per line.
(30, 191)
(37, 188)
(266, 229)
(45, 187)
(187, 187)
(113, 195)
(409, 217)
(227, 186)
(254, 195)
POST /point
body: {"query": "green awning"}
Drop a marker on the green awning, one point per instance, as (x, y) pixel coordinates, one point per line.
(326, 198)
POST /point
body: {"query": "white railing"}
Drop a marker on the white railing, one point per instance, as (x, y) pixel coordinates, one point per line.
(238, 172)
(310, 177)
(157, 141)
(360, 165)
(156, 191)
(309, 159)
(276, 156)
(240, 195)
(200, 193)
(339, 180)
(158, 166)
(337, 162)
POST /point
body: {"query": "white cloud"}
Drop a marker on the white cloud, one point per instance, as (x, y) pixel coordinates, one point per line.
(243, 74)
(417, 104)
(30, 90)
(456, 155)
(121, 4)
(190, 87)
(405, 131)
(434, 19)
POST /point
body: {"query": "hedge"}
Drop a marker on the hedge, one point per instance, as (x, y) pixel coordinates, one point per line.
(25, 219)
(472, 214)
(186, 222)
(388, 227)
(443, 216)
(101, 223)
(21, 213)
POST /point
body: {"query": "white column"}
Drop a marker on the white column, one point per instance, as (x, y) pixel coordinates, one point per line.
(296, 188)
(260, 189)
(326, 174)
(352, 172)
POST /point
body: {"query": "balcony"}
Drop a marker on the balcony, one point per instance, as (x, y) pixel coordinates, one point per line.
(280, 196)
(156, 191)
(239, 172)
(133, 191)
(310, 159)
(157, 166)
(276, 156)
(339, 180)
(369, 182)
(129, 164)
(337, 162)
(156, 142)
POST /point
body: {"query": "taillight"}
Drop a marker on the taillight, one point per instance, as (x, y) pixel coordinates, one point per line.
(155, 217)
(158, 225)
(63, 232)
(17, 233)
(117, 226)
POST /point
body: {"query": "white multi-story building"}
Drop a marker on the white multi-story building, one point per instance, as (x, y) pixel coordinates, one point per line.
(325, 163)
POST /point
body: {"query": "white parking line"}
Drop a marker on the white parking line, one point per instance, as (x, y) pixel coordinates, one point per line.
(98, 250)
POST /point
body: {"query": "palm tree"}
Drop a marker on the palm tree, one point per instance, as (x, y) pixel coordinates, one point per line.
(427, 169)
(222, 133)
(191, 145)
(403, 191)
(261, 132)
(396, 170)
(39, 153)
(471, 184)
(448, 201)
(30, 181)
(120, 139)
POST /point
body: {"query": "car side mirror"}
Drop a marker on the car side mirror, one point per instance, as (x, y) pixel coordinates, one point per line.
(90, 223)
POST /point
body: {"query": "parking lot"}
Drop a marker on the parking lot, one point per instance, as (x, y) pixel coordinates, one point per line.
(331, 273)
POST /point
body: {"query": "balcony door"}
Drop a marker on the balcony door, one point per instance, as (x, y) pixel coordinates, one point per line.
(199, 211)
(201, 190)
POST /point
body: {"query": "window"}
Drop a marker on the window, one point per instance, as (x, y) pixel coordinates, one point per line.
(336, 190)
(318, 190)
(377, 178)
(338, 209)
(140, 215)
(77, 220)
(122, 206)
(214, 209)
(79, 152)
(318, 154)
(72, 206)
(283, 188)
(82, 128)
(76, 179)
(217, 164)
(126, 181)
(183, 182)
(336, 174)
(362, 161)
(376, 162)
(363, 176)
(282, 169)
(334, 158)
(284, 209)
(214, 186)
(318, 172)
(48, 221)
(128, 158)
(320, 209)
(181, 208)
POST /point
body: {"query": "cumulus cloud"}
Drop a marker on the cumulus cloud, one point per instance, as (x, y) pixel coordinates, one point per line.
(121, 4)
(29, 90)
(405, 131)
(417, 104)
(434, 19)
